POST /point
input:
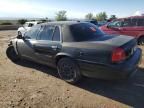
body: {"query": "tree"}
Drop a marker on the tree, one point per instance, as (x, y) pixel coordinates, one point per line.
(44, 20)
(61, 16)
(102, 16)
(22, 21)
(112, 17)
(89, 16)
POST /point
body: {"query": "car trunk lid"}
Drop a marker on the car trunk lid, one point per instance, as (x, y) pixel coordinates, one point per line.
(127, 43)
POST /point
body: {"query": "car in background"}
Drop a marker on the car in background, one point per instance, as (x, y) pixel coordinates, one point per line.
(130, 26)
(95, 22)
(92, 21)
(101, 23)
(27, 26)
(77, 49)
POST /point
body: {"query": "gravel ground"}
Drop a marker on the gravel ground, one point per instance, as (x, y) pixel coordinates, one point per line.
(30, 85)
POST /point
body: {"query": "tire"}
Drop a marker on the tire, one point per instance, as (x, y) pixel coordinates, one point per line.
(68, 70)
(11, 54)
(141, 41)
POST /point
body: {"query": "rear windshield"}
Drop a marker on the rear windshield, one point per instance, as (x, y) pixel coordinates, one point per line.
(85, 32)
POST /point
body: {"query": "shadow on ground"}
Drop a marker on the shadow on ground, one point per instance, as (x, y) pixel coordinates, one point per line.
(129, 92)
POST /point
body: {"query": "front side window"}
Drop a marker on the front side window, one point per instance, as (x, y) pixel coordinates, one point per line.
(56, 36)
(115, 24)
(85, 32)
(46, 33)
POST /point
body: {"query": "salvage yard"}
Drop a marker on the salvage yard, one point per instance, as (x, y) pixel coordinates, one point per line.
(31, 85)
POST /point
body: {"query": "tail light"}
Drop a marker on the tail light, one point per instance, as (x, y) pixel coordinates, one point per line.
(118, 55)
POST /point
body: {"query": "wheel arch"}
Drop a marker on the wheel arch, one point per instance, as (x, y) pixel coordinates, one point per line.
(61, 55)
(13, 43)
(141, 36)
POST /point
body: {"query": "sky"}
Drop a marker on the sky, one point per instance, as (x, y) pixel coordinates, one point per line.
(74, 8)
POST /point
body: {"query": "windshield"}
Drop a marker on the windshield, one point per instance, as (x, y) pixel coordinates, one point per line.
(85, 32)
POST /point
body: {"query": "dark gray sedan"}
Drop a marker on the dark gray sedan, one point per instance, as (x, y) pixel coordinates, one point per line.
(77, 49)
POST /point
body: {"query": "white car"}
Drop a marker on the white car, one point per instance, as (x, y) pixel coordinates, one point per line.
(27, 26)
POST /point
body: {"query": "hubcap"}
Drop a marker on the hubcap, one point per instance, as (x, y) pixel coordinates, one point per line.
(67, 71)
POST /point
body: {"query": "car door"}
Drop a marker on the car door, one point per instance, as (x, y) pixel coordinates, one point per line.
(129, 27)
(25, 45)
(48, 44)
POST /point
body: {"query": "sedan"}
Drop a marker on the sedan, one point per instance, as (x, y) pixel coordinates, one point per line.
(77, 49)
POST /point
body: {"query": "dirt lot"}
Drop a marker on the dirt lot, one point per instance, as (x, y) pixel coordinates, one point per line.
(30, 85)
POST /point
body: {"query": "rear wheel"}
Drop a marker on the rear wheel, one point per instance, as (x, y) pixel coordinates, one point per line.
(68, 70)
(11, 54)
(141, 41)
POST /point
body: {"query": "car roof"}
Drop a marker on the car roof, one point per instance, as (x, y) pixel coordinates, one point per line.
(86, 20)
(131, 17)
(62, 23)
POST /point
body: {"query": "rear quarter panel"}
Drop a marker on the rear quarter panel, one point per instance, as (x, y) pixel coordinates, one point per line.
(90, 52)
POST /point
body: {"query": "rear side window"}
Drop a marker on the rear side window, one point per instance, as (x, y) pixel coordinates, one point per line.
(46, 33)
(56, 36)
(140, 22)
(85, 32)
(127, 23)
(134, 22)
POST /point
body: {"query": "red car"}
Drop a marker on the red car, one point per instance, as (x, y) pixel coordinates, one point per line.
(131, 26)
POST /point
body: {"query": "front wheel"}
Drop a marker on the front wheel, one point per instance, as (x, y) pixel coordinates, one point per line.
(11, 54)
(68, 70)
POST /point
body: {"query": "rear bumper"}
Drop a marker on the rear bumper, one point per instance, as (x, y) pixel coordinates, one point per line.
(111, 71)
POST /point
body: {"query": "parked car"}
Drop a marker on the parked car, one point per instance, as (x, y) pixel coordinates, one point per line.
(132, 26)
(90, 21)
(27, 26)
(77, 49)
(101, 23)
